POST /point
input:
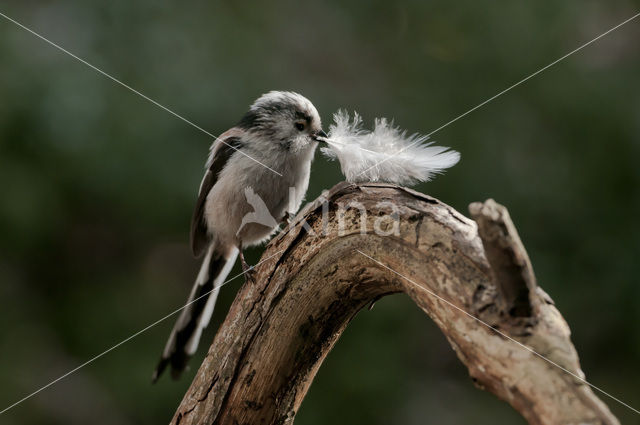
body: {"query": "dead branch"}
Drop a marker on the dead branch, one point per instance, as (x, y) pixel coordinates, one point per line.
(282, 325)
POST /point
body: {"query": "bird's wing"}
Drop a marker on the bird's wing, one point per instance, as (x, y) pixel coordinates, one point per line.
(221, 150)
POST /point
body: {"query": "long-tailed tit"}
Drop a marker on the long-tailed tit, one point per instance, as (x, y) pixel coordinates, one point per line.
(265, 158)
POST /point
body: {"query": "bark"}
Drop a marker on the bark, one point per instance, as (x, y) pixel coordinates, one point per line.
(472, 277)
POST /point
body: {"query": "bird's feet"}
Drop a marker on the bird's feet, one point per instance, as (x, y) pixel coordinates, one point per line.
(248, 271)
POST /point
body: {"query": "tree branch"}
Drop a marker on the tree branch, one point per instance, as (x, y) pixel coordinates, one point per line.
(282, 325)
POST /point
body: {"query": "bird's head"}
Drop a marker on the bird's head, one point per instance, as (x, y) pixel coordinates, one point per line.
(287, 120)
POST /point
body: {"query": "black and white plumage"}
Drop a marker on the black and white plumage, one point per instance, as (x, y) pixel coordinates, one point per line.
(385, 154)
(266, 156)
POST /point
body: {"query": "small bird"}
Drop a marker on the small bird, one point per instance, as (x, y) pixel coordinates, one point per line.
(264, 161)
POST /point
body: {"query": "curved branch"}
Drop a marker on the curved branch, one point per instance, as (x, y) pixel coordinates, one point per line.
(471, 277)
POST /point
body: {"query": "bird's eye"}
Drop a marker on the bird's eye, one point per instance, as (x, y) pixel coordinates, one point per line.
(299, 126)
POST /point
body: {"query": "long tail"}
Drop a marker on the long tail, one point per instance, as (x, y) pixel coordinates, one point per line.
(186, 333)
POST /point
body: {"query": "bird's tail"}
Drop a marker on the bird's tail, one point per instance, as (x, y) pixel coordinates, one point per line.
(186, 333)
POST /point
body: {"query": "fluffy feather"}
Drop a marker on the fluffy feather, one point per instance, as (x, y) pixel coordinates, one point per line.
(385, 154)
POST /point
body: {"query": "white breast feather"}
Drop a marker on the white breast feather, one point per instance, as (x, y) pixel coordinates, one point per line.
(386, 154)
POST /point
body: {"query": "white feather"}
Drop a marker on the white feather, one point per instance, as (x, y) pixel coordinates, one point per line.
(385, 154)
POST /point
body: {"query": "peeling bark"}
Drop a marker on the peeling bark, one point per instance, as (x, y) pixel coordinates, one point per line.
(283, 323)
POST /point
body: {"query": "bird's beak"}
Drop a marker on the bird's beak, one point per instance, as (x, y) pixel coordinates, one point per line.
(319, 136)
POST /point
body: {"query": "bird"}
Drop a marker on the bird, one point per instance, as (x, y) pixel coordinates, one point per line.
(256, 177)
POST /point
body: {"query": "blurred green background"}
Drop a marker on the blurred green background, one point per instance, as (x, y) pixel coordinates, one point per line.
(98, 184)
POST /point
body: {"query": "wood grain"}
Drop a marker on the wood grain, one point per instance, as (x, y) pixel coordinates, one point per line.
(472, 277)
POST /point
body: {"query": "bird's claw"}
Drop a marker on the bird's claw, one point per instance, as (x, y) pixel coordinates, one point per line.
(289, 218)
(248, 271)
